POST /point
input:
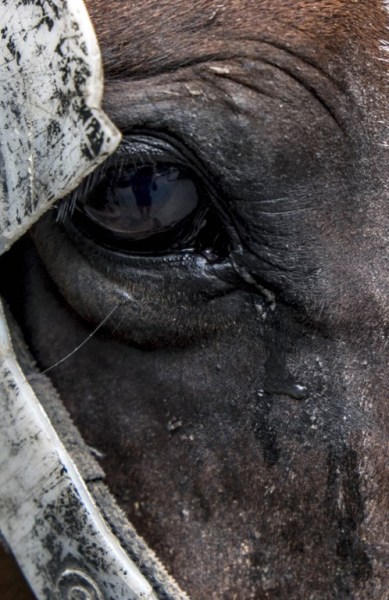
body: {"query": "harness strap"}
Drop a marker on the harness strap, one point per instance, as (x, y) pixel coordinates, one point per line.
(53, 133)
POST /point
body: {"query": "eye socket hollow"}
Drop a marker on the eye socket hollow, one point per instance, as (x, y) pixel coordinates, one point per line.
(149, 208)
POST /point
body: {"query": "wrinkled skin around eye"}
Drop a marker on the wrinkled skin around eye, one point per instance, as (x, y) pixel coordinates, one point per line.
(238, 399)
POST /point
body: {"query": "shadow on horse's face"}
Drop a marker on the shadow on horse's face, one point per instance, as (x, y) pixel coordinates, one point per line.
(235, 252)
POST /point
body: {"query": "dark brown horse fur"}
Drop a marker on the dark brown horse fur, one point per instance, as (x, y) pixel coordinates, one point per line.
(241, 407)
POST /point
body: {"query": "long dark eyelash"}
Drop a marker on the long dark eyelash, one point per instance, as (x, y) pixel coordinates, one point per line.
(66, 207)
(123, 157)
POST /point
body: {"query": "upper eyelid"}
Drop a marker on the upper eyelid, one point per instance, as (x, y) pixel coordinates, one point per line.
(156, 147)
(121, 157)
(135, 148)
(151, 143)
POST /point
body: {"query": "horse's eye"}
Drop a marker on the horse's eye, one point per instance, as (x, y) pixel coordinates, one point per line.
(145, 208)
(151, 197)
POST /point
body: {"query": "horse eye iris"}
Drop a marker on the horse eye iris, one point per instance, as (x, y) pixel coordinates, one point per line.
(140, 202)
(141, 209)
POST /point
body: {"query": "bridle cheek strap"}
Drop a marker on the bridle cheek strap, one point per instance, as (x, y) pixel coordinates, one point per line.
(53, 133)
(47, 515)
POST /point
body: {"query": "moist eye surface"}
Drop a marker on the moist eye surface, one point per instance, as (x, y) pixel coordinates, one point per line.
(150, 198)
(134, 203)
(142, 208)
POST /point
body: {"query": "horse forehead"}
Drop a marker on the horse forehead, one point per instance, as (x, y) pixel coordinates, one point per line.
(136, 33)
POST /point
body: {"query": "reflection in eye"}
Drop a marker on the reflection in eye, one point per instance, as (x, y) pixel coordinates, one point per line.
(136, 203)
(150, 208)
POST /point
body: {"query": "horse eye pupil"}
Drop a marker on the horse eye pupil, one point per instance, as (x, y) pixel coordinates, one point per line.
(140, 208)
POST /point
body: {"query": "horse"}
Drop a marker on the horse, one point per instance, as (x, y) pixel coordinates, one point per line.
(228, 270)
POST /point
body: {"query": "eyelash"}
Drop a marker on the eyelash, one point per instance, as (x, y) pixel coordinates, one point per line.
(119, 160)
